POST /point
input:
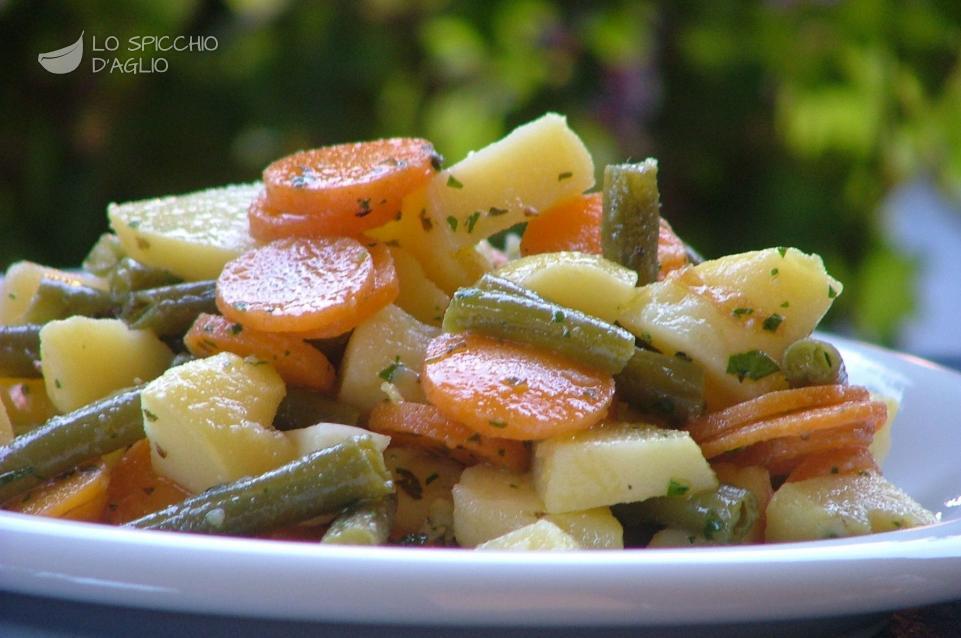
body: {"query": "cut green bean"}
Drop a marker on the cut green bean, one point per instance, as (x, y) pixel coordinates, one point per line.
(170, 310)
(104, 255)
(540, 323)
(55, 299)
(20, 351)
(724, 515)
(493, 283)
(631, 219)
(813, 362)
(322, 482)
(303, 408)
(67, 440)
(363, 523)
(655, 383)
(130, 275)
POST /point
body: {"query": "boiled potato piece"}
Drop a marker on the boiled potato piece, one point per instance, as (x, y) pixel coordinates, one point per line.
(881, 443)
(324, 435)
(208, 421)
(756, 302)
(837, 506)
(588, 283)
(595, 528)
(616, 463)
(533, 167)
(21, 282)
(541, 535)
(419, 296)
(388, 347)
(490, 502)
(85, 359)
(424, 482)
(6, 427)
(190, 235)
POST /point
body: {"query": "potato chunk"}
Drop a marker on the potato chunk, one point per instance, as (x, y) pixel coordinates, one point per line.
(22, 280)
(616, 463)
(424, 483)
(85, 359)
(324, 435)
(841, 505)
(208, 421)
(190, 235)
(541, 535)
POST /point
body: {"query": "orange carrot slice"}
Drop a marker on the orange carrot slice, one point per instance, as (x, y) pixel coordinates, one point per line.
(423, 426)
(512, 391)
(671, 251)
(840, 461)
(296, 284)
(80, 495)
(136, 490)
(384, 292)
(353, 187)
(782, 455)
(296, 361)
(574, 224)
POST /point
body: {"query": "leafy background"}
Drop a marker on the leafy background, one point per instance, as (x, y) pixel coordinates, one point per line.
(774, 122)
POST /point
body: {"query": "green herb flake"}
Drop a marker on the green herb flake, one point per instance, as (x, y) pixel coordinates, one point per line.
(786, 304)
(752, 365)
(683, 356)
(781, 250)
(675, 488)
(452, 222)
(493, 211)
(364, 208)
(57, 384)
(742, 312)
(774, 272)
(150, 416)
(474, 438)
(565, 175)
(471, 221)
(453, 182)
(431, 478)
(557, 317)
(387, 374)
(135, 224)
(497, 423)
(142, 243)
(236, 329)
(771, 323)
(425, 222)
(11, 295)
(407, 481)
(832, 293)
(436, 161)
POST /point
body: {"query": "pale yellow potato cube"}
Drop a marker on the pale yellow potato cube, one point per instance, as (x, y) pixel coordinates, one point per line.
(419, 296)
(423, 484)
(324, 435)
(208, 421)
(86, 359)
(388, 347)
(758, 301)
(837, 506)
(490, 502)
(588, 283)
(616, 463)
(538, 536)
(595, 528)
(533, 167)
(191, 235)
(22, 280)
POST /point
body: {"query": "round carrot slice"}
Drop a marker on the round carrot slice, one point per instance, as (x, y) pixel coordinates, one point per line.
(297, 362)
(574, 224)
(295, 284)
(512, 391)
(671, 251)
(355, 187)
(423, 426)
(267, 224)
(384, 291)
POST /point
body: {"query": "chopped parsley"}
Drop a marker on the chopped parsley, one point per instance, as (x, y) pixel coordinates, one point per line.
(431, 478)
(675, 488)
(498, 423)
(752, 365)
(771, 323)
(150, 416)
(741, 312)
(782, 250)
(57, 384)
(363, 207)
(407, 481)
(493, 211)
(387, 374)
(453, 182)
(557, 317)
(471, 221)
(786, 304)
(426, 223)
(236, 329)
(565, 175)
(452, 222)
(436, 161)
(774, 272)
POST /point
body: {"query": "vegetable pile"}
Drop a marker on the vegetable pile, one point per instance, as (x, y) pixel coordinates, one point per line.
(339, 354)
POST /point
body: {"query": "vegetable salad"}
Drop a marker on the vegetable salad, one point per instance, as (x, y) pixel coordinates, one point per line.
(339, 354)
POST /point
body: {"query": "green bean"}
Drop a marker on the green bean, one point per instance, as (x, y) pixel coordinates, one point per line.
(724, 515)
(104, 255)
(55, 299)
(631, 219)
(20, 351)
(365, 522)
(671, 387)
(493, 283)
(321, 482)
(129, 275)
(170, 310)
(813, 362)
(64, 441)
(302, 408)
(540, 323)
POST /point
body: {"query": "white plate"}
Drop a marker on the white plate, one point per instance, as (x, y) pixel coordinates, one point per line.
(641, 587)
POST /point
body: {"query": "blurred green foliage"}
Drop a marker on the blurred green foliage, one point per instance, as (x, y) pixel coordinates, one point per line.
(774, 122)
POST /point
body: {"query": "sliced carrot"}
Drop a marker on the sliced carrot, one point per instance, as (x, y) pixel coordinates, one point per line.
(512, 391)
(384, 291)
(873, 413)
(296, 284)
(267, 223)
(352, 187)
(574, 224)
(671, 251)
(136, 490)
(295, 360)
(851, 460)
(423, 426)
(80, 495)
(782, 455)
